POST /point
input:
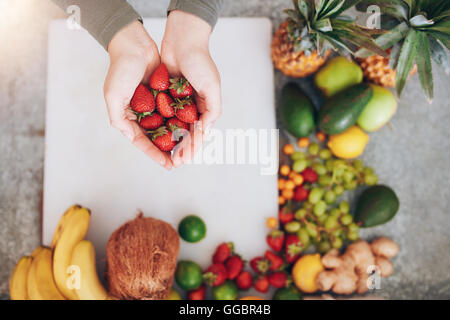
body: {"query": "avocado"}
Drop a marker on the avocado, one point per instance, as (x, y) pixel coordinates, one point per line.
(296, 111)
(290, 293)
(376, 205)
(342, 110)
(337, 75)
(380, 109)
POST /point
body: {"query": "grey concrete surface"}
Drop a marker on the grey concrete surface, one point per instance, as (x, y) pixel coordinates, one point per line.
(412, 156)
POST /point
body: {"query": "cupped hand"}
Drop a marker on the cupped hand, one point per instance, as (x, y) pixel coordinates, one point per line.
(185, 51)
(133, 57)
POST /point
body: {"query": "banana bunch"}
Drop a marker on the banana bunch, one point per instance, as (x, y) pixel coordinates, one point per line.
(66, 270)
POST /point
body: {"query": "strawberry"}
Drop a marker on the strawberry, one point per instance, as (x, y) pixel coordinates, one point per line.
(223, 252)
(151, 122)
(159, 80)
(293, 248)
(162, 138)
(164, 104)
(259, 264)
(275, 240)
(215, 275)
(309, 175)
(285, 215)
(175, 124)
(234, 266)
(143, 100)
(276, 262)
(279, 279)
(244, 281)
(300, 194)
(180, 88)
(197, 294)
(262, 284)
(186, 110)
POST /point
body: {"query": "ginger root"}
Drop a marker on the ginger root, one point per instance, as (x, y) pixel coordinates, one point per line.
(350, 271)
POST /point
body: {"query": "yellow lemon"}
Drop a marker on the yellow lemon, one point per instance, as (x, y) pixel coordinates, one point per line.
(305, 272)
(349, 144)
(174, 295)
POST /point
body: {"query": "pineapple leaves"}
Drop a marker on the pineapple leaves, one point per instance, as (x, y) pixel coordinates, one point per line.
(420, 21)
(406, 60)
(423, 61)
(395, 53)
(348, 4)
(304, 8)
(323, 25)
(387, 40)
(332, 10)
(442, 26)
(412, 6)
(439, 55)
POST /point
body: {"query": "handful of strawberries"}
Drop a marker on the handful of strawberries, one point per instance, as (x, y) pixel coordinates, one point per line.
(164, 107)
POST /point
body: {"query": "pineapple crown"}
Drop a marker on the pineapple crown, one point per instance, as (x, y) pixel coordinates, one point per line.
(421, 29)
(319, 25)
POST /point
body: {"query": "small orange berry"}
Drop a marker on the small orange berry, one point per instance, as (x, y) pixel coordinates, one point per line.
(298, 179)
(303, 142)
(281, 183)
(321, 136)
(281, 200)
(289, 185)
(284, 170)
(292, 175)
(288, 149)
(288, 194)
(272, 222)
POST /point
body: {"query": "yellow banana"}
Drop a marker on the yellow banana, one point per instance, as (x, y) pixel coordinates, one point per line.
(18, 280)
(62, 223)
(40, 282)
(74, 230)
(36, 252)
(83, 258)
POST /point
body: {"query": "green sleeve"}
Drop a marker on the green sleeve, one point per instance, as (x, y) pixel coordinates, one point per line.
(208, 10)
(102, 18)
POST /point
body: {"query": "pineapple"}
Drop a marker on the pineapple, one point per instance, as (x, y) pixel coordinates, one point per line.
(420, 32)
(314, 28)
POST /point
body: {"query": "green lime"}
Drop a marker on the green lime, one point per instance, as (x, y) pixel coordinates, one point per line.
(188, 275)
(226, 291)
(290, 293)
(192, 229)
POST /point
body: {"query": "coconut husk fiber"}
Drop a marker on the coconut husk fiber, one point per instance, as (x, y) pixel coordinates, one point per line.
(141, 259)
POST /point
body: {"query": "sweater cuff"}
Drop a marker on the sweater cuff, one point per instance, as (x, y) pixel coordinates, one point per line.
(207, 10)
(116, 22)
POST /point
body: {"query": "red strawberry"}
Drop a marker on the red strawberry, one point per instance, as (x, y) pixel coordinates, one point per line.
(151, 122)
(244, 281)
(279, 279)
(262, 284)
(223, 252)
(293, 248)
(180, 88)
(164, 104)
(162, 138)
(275, 240)
(215, 275)
(260, 264)
(197, 294)
(174, 124)
(234, 266)
(159, 80)
(285, 215)
(300, 194)
(186, 110)
(276, 262)
(309, 175)
(143, 100)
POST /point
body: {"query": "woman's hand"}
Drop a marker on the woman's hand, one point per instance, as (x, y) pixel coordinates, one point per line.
(185, 51)
(133, 57)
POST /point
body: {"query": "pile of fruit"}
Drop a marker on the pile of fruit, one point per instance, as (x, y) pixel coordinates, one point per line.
(164, 107)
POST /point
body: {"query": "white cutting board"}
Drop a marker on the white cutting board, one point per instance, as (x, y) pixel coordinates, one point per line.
(89, 163)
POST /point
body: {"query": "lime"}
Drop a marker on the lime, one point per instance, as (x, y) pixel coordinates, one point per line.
(226, 291)
(192, 229)
(290, 293)
(188, 275)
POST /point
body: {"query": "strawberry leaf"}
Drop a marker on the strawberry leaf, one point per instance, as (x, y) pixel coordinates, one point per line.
(406, 60)
(423, 61)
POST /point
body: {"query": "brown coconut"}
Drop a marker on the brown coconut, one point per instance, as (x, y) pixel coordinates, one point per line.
(141, 259)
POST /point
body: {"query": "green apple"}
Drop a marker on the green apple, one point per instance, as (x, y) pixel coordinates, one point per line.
(337, 75)
(380, 109)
